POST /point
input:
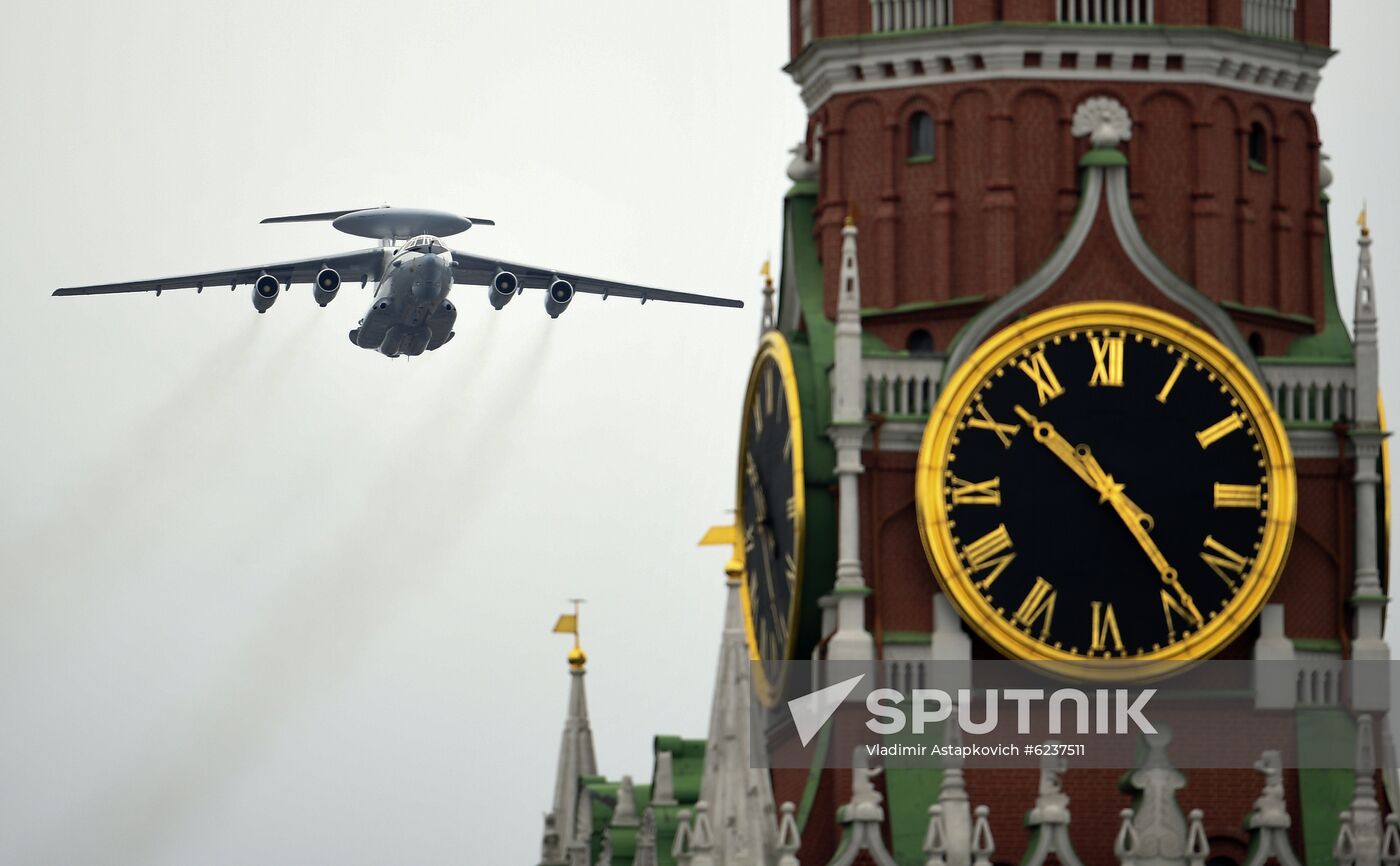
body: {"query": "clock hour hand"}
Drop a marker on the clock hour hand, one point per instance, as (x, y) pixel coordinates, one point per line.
(1082, 461)
(1109, 488)
(1046, 435)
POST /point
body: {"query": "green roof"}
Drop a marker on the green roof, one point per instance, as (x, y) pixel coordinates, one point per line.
(1332, 343)
(813, 354)
(687, 768)
(687, 765)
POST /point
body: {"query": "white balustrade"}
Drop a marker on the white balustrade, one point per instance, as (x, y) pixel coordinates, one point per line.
(907, 387)
(1270, 17)
(891, 15)
(1321, 394)
(1104, 11)
(1312, 394)
(1319, 679)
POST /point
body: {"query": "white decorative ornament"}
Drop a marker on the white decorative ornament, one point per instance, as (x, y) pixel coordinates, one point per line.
(801, 168)
(1104, 120)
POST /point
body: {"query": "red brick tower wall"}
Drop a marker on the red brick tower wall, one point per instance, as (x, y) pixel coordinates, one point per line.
(986, 212)
(1003, 186)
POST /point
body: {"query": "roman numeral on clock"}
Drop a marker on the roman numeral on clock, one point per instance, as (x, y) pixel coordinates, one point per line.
(1108, 361)
(1039, 602)
(1219, 430)
(990, 552)
(985, 421)
(1223, 561)
(768, 649)
(1172, 609)
(1171, 380)
(1237, 495)
(1104, 625)
(976, 492)
(1047, 387)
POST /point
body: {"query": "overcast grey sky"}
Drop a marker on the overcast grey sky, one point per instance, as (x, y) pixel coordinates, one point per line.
(268, 598)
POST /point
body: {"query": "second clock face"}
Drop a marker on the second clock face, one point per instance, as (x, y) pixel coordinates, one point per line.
(771, 510)
(1106, 482)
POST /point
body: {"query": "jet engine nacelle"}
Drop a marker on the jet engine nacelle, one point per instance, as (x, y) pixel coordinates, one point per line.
(327, 284)
(556, 300)
(265, 292)
(503, 288)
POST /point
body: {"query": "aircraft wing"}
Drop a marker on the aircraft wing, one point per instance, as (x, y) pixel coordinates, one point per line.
(358, 266)
(475, 270)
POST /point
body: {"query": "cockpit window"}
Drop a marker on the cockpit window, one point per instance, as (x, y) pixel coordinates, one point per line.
(424, 244)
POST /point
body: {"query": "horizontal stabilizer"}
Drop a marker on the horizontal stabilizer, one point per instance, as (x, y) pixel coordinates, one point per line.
(312, 217)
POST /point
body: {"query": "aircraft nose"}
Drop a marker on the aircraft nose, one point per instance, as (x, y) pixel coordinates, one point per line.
(432, 277)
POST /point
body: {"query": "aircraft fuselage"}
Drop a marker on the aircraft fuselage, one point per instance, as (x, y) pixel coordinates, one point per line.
(410, 313)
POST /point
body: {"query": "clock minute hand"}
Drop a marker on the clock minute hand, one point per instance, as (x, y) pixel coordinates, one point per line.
(1139, 523)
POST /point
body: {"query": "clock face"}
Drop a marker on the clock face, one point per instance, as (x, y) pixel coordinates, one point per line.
(771, 510)
(1105, 481)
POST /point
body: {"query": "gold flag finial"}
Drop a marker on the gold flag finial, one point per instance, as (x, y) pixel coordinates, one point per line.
(568, 624)
(725, 533)
(1361, 221)
(767, 271)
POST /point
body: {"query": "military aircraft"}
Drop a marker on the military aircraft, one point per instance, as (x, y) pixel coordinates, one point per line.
(410, 313)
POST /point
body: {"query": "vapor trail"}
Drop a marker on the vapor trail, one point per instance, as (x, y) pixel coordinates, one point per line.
(74, 541)
(124, 463)
(323, 627)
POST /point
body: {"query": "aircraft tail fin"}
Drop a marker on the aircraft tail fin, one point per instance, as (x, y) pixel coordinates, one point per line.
(313, 217)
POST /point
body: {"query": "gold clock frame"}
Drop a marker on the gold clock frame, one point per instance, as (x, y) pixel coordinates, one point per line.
(774, 347)
(933, 515)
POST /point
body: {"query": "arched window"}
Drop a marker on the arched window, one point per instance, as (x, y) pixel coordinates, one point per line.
(920, 342)
(1258, 147)
(1256, 343)
(920, 136)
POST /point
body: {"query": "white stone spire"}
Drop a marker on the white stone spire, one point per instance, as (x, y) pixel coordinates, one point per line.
(851, 642)
(1269, 821)
(1160, 828)
(625, 812)
(1364, 323)
(738, 796)
(1370, 689)
(862, 817)
(1366, 825)
(954, 816)
(1048, 821)
(770, 317)
(576, 759)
